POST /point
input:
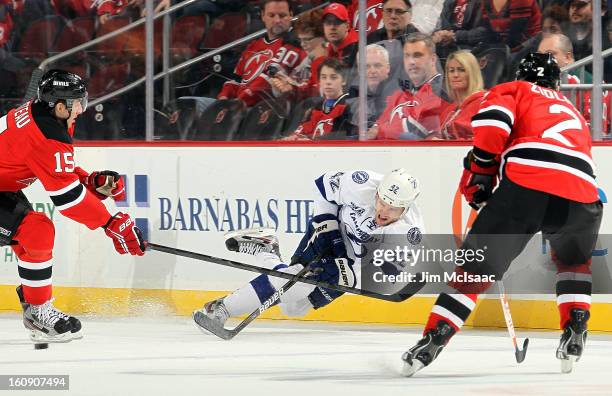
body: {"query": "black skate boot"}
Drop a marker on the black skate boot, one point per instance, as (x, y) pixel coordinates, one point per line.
(427, 349)
(41, 331)
(573, 339)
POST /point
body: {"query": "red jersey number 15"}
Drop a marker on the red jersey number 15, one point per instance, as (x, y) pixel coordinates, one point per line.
(64, 162)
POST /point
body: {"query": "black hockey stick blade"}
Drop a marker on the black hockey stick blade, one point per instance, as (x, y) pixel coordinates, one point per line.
(405, 293)
(520, 354)
(32, 89)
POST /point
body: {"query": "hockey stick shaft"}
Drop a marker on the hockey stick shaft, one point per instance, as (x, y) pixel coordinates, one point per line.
(407, 292)
(503, 297)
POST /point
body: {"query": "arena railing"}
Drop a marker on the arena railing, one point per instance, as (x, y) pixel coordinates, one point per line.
(597, 85)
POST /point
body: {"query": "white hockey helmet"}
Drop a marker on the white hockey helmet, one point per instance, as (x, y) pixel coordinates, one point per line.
(399, 189)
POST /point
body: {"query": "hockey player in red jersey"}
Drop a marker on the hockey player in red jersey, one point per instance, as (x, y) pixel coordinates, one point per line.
(36, 144)
(539, 144)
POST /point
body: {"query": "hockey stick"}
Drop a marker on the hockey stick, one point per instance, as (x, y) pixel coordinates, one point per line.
(503, 297)
(210, 325)
(405, 293)
(32, 90)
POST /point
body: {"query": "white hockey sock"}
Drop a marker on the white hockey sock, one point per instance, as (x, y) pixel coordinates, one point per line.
(241, 301)
(245, 299)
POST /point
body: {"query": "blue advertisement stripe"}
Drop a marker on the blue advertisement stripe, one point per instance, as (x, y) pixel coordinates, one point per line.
(141, 190)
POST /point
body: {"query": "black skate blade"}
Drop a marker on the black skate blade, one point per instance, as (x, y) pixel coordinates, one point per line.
(520, 354)
(206, 324)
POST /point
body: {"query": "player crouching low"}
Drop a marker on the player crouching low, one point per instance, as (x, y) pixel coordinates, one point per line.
(350, 207)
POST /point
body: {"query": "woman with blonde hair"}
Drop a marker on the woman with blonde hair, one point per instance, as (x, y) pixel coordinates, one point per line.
(464, 85)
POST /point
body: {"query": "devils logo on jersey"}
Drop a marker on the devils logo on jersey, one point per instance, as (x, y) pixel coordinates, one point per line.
(399, 110)
(256, 64)
(323, 127)
(373, 17)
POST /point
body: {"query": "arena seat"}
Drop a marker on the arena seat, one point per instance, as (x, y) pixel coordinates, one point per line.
(113, 48)
(299, 113)
(264, 121)
(176, 120)
(226, 28)
(187, 34)
(75, 32)
(220, 121)
(104, 121)
(38, 39)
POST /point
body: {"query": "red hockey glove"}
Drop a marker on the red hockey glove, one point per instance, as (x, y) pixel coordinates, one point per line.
(478, 180)
(103, 184)
(126, 237)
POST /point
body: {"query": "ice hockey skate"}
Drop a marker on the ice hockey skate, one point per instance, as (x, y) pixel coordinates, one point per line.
(38, 333)
(253, 241)
(573, 339)
(48, 324)
(212, 317)
(427, 349)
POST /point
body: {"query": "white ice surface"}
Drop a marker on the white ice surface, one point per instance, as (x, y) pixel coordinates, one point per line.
(169, 356)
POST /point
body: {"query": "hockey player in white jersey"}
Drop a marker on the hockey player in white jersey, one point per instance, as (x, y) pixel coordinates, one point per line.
(351, 208)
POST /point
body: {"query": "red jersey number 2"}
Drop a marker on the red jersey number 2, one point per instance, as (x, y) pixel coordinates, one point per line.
(64, 162)
(555, 131)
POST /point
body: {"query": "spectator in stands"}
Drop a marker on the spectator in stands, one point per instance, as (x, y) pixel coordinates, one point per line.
(461, 27)
(278, 51)
(342, 39)
(9, 34)
(8, 62)
(380, 86)
(6, 23)
(513, 21)
(397, 15)
(554, 18)
(330, 115)
(213, 8)
(580, 29)
(302, 82)
(73, 8)
(413, 112)
(465, 87)
(560, 47)
(105, 9)
(374, 15)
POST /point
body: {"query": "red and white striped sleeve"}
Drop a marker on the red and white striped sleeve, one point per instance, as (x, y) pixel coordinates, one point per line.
(53, 163)
(494, 120)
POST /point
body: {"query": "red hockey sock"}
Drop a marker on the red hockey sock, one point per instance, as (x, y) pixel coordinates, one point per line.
(451, 308)
(574, 284)
(35, 237)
